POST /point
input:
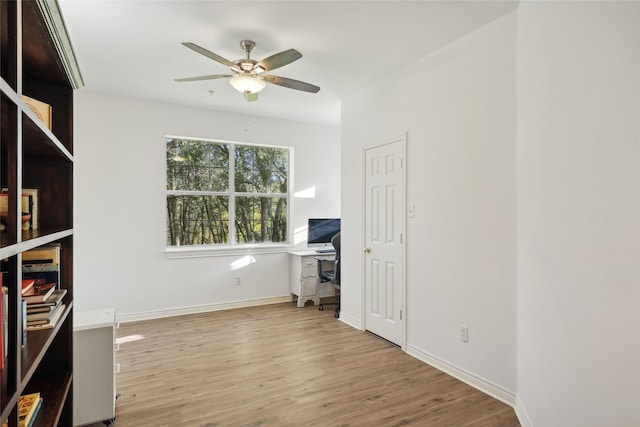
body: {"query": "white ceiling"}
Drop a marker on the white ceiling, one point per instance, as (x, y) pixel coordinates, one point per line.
(133, 48)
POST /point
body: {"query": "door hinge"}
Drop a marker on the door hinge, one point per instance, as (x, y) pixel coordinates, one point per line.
(400, 314)
(400, 238)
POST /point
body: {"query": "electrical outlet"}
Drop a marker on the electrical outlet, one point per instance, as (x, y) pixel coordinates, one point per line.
(236, 281)
(464, 333)
(411, 213)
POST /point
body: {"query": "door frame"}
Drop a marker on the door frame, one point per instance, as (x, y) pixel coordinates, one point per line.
(402, 139)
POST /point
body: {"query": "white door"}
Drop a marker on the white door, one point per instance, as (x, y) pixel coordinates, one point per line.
(383, 251)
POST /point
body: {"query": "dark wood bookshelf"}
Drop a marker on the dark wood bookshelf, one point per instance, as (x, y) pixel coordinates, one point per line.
(39, 64)
(54, 390)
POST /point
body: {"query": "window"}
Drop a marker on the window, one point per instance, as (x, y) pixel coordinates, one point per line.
(223, 193)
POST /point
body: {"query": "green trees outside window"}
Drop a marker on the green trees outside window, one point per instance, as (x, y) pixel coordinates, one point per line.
(221, 193)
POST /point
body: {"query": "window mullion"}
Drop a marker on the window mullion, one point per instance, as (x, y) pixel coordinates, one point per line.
(196, 193)
(241, 194)
(232, 194)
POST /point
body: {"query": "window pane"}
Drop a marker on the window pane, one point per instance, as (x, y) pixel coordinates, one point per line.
(261, 169)
(198, 166)
(218, 155)
(197, 220)
(261, 219)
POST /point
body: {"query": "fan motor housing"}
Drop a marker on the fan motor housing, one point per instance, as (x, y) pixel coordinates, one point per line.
(246, 64)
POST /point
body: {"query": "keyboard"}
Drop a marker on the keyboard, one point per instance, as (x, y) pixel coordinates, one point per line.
(325, 251)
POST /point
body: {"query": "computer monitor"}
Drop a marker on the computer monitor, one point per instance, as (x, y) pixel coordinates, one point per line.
(321, 230)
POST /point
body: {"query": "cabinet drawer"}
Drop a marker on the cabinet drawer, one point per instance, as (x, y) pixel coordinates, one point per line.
(310, 272)
(309, 287)
(309, 261)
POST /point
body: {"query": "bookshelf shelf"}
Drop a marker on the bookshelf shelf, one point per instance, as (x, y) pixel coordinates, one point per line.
(36, 158)
(37, 346)
(54, 390)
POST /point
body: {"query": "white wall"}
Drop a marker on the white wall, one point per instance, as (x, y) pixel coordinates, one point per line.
(578, 213)
(560, 261)
(120, 206)
(458, 108)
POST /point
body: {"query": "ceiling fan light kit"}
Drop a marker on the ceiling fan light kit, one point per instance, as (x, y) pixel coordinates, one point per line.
(249, 77)
(250, 84)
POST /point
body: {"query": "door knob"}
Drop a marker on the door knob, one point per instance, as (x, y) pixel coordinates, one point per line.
(367, 250)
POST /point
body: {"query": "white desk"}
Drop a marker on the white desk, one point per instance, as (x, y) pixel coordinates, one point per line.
(304, 282)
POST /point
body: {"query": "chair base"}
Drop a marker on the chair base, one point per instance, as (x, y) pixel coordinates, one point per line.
(336, 311)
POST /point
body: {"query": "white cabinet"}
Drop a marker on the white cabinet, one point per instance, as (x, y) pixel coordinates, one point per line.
(303, 277)
(94, 367)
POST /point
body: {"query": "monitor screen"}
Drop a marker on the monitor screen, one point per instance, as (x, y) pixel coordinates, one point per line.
(321, 230)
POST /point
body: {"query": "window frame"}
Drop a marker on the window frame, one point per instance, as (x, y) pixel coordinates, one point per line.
(188, 251)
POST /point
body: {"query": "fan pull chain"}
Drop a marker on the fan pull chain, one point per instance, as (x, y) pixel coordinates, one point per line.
(246, 114)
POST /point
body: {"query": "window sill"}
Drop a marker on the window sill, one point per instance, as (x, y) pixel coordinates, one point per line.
(213, 251)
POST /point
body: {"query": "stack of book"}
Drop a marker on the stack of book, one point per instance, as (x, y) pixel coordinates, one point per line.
(45, 314)
(42, 264)
(28, 408)
(44, 299)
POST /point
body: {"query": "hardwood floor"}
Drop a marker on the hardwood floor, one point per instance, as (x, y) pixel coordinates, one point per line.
(279, 365)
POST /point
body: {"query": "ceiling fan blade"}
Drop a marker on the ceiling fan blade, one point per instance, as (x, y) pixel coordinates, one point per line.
(291, 84)
(210, 77)
(279, 59)
(209, 54)
(251, 97)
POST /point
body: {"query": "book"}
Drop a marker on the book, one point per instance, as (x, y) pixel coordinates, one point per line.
(27, 285)
(43, 254)
(5, 319)
(43, 277)
(31, 267)
(53, 321)
(24, 323)
(2, 329)
(28, 406)
(41, 109)
(29, 205)
(39, 293)
(33, 210)
(40, 315)
(39, 309)
(26, 208)
(52, 301)
(35, 413)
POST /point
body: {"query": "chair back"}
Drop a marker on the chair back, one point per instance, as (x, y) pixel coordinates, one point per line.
(335, 241)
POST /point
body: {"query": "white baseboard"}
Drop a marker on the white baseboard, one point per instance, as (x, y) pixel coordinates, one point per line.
(482, 384)
(148, 315)
(521, 413)
(351, 321)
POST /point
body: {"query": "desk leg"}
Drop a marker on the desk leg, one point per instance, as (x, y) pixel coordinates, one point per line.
(303, 300)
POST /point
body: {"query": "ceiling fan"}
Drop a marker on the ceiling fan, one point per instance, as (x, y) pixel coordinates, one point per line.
(249, 75)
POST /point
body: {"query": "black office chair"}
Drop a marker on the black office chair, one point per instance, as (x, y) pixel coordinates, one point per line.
(332, 275)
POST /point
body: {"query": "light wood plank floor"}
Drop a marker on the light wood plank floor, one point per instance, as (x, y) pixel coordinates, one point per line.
(279, 365)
